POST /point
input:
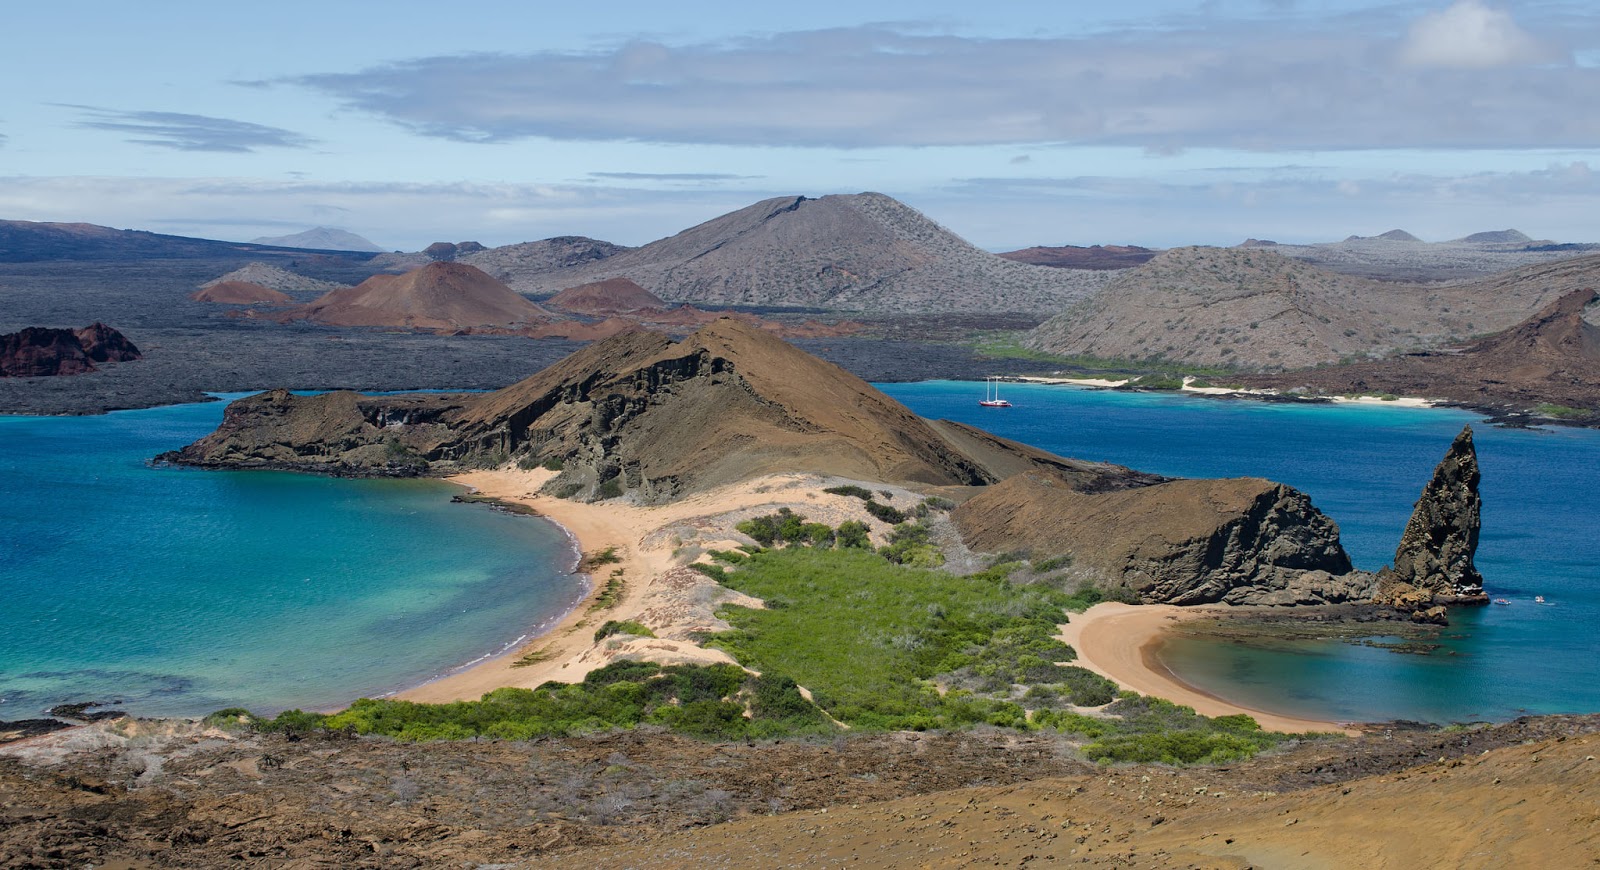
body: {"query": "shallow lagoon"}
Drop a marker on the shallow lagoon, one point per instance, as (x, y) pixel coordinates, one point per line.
(1363, 465)
(181, 591)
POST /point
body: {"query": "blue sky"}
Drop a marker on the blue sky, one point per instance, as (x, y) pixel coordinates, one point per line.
(1011, 123)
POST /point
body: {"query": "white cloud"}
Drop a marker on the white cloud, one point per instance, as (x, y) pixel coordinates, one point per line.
(1472, 35)
(1224, 84)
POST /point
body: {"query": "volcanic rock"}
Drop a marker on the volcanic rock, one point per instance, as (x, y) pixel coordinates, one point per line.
(437, 296)
(101, 343)
(38, 351)
(1433, 563)
(606, 298)
(240, 293)
(1237, 541)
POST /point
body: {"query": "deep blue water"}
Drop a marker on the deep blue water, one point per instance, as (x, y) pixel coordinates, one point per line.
(180, 591)
(1364, 466)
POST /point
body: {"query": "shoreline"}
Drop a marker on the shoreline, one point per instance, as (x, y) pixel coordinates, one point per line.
(1120, 642)
(653, 548)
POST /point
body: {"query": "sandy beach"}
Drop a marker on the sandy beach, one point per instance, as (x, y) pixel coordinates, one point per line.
(1117, 641)
(653, 546)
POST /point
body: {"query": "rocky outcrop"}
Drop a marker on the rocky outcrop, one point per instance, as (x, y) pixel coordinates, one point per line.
(641, 416)
(1237, 541)
(38, 351)
(1433, 563)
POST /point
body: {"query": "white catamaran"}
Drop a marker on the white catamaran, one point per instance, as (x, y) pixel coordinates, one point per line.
(991, 394)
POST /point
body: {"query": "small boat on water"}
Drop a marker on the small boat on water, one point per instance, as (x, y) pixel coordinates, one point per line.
(991, 394)
(1502, 601)
(1539, 599)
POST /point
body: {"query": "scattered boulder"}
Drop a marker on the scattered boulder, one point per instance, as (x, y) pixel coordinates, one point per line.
(1433, 563)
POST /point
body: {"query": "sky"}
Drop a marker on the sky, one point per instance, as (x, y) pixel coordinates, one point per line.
(1152, 122)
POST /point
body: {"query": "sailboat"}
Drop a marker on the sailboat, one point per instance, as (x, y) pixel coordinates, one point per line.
(991, 394)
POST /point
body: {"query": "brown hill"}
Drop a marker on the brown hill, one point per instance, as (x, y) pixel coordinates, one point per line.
(1254, 309)
(274, 278)
(1076, 257)
(606, 298)
(240, 293)
(436, 296)
(642, 417)
(865, 252)
(1550, 359)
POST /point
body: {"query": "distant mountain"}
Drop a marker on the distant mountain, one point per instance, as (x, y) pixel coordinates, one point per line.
(321, 239)
(29, 241)
(1400, 256)
(273, 277)
(1254, 309)
(1075, 257)
(510, 263)
(1498, 237)
(864, 252)
(437, 296)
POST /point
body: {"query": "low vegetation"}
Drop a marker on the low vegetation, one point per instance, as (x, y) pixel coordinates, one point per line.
(713, 701)
(882, 639)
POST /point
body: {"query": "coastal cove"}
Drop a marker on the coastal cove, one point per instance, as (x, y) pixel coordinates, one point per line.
(178, 592)
(1364, 466)
(409, 586)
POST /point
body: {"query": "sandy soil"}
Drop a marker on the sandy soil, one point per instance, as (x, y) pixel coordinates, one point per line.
(1118, 642)
(1076, 382)
(654, 544)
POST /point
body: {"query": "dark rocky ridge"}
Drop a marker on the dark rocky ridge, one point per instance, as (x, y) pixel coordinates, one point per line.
(1433, 564)
(41, 352)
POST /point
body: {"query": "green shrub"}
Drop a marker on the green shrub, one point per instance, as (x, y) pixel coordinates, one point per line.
(554, 463)
(851, 490)
(624, 626)
(611, 488)
(1054, 563)
(890, 515)
(853, 534)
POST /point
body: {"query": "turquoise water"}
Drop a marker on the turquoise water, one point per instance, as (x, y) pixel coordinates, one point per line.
(180, 591)
(1364, 466)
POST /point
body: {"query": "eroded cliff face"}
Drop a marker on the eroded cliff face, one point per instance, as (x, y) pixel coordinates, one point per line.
(1433, 565)
(1236, 541)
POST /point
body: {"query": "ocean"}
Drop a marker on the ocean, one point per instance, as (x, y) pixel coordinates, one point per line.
(179, 592)
(1363, 465)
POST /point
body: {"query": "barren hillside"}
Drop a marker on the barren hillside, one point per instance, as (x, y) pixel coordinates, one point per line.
(864, 252)
(1251, 308)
